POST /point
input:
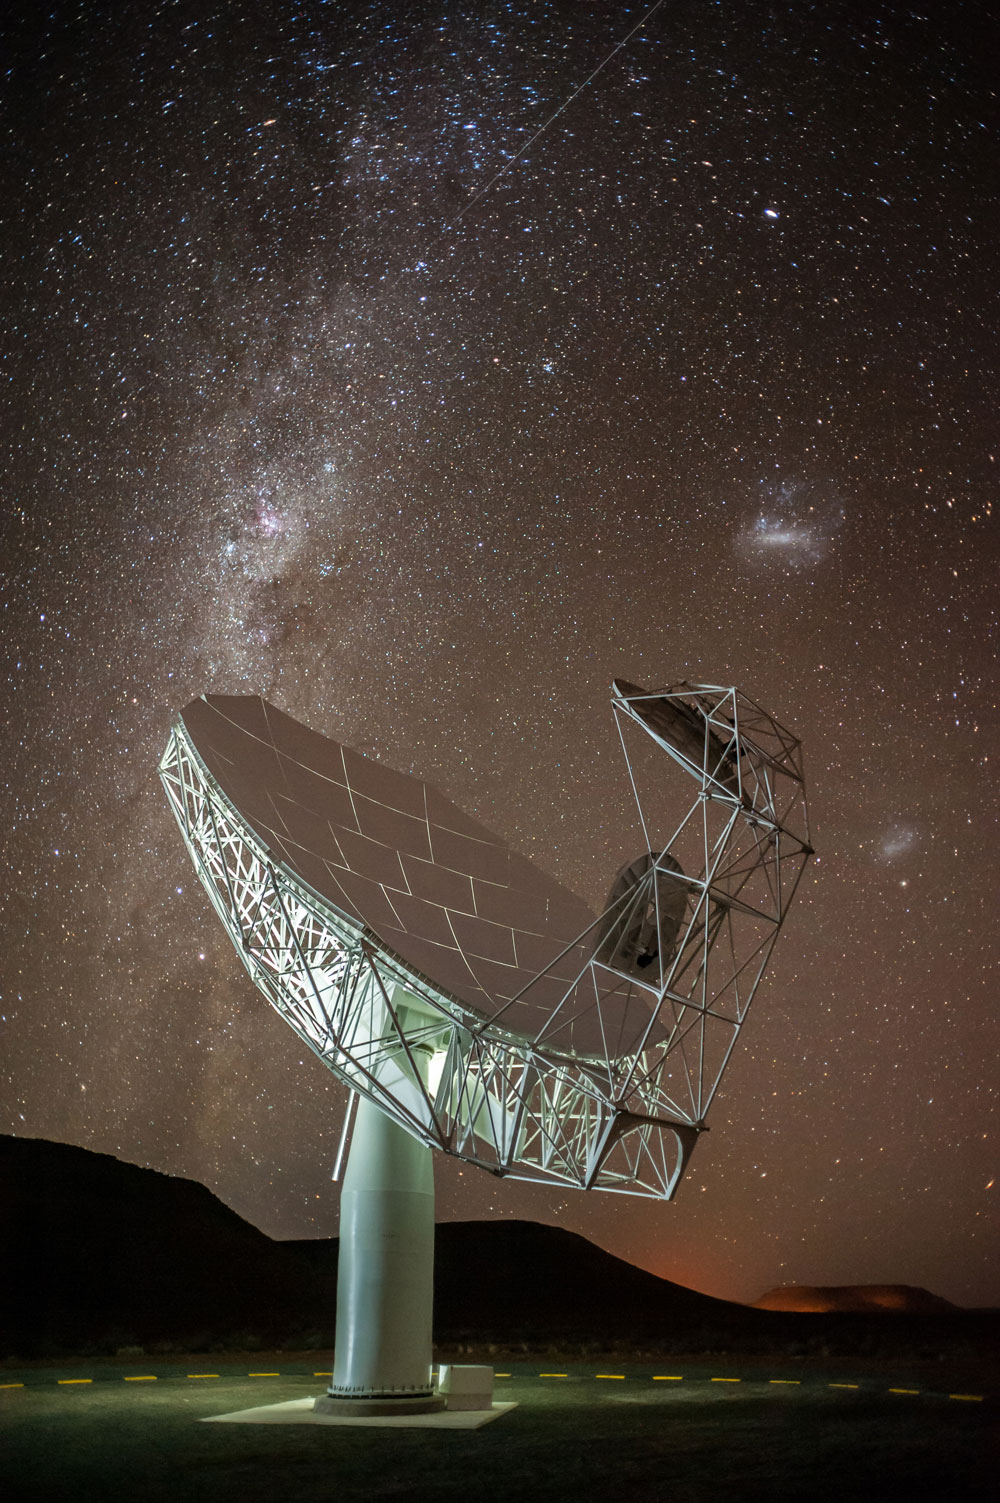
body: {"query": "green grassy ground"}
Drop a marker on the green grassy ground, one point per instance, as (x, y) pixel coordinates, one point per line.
(685, 1438)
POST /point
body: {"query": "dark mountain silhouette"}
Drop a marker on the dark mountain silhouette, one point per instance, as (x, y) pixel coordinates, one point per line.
(101, 1251)
(871, 1298)
(97, 1255)
(96, 1251)
(528, 1281)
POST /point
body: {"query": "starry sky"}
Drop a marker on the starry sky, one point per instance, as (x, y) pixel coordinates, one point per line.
(301, 398)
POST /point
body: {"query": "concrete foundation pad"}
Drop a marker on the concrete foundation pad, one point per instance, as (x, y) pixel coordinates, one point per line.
(301, 1412)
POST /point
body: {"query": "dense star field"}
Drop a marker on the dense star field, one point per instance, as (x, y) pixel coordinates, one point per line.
(701, 387)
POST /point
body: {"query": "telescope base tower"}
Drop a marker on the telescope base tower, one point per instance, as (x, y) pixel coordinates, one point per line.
(385, 1274)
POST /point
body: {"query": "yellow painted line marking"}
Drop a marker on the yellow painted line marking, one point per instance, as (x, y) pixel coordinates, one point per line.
(21, 1385)
(554, 1375)
(149, 1378)
(203, 1375)
(501, 1375)
(791, 1381)
(725, 1380)
(668, 1378)
(74, 1380)
(263, 1375)
(322, 1375)
(620, 1376)
(842, 1385)
(904, 1390)
(969, 1398)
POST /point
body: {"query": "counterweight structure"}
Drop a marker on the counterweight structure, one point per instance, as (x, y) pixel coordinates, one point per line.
(446, 980)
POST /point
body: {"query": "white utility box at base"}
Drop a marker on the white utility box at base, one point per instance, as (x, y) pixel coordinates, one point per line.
(466, 1387)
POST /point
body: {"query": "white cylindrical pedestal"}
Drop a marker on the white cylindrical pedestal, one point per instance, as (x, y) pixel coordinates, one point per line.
(385, 1278)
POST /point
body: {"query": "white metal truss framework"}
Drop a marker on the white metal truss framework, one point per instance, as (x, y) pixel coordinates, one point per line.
(623, 1116)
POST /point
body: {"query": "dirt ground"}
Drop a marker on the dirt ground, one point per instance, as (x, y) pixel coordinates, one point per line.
(685, 1431)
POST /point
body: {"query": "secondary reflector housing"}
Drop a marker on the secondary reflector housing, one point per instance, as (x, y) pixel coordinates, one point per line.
(387, 926)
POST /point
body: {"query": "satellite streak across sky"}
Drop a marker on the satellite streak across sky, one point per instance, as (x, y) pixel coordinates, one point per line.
(702, 387)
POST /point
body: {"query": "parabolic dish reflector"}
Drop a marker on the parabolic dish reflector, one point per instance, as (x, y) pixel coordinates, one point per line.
(481, 1004)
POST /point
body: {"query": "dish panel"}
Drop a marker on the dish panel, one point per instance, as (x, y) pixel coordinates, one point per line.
(438, 889)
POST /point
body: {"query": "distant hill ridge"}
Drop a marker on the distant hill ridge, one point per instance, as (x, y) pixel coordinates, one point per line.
(867, 1298)
(97, 1251)
(97, 1254)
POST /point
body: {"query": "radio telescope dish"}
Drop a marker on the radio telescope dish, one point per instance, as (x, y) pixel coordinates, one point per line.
(458, 989)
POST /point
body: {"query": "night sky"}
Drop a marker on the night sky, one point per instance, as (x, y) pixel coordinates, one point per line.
(703, 387)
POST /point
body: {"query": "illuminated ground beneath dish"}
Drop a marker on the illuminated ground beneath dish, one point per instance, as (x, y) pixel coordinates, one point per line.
(570, 1437)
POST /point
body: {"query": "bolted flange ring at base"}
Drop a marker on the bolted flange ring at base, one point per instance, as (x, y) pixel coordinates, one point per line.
(330, 1403)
